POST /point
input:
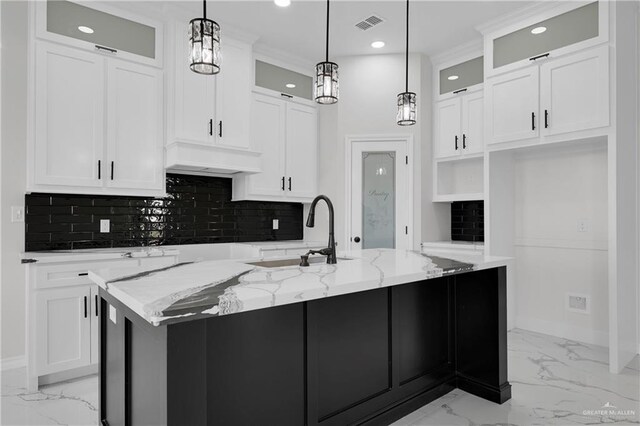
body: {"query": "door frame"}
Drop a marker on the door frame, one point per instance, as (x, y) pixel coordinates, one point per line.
(348, 146)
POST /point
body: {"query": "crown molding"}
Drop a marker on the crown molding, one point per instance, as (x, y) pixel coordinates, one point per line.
(468, 49)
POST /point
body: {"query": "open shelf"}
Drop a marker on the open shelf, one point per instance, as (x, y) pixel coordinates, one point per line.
(461, 180)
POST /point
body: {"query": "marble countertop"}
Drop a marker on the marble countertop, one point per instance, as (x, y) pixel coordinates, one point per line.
(221, 287)
(55, 256)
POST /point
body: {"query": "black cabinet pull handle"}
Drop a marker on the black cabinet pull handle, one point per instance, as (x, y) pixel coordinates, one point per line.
(286, 95)
(85, 306)
(99, 169)
(112, 170)
(460, 91)
(464, 141)
(83, 274)
(544, 55)
(211, 127)
(546, 118)
(283, 183)
(289, 183)
(533, 121)
(96, 296)
(220, 129)
(456, 142)
(105, 49)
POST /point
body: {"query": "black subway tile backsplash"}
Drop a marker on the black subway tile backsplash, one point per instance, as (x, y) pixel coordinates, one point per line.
(467, 221)
(196, 210)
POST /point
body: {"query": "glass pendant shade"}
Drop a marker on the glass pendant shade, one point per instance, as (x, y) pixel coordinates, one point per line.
(407, 110)
(327, 90)
(204, 43)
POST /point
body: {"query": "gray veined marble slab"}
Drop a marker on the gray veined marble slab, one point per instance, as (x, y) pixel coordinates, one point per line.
(225, 287)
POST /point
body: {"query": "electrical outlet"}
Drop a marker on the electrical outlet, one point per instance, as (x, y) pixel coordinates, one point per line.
(583, 225)
(17, 214)
(578, 303)
(276, 224)
(105, 226)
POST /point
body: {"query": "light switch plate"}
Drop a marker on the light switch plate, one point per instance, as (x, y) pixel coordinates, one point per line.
(105, 225)
(276, 224)
(17, 214)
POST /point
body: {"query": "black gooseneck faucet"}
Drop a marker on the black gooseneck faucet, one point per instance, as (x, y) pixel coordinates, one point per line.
(330, 251)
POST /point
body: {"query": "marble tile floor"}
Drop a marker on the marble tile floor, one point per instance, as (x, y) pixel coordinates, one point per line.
(555, 382)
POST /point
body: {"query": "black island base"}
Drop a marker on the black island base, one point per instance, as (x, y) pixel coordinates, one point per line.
(366, 358)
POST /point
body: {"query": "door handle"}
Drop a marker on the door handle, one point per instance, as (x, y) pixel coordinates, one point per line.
(112, 170)
(220, 129)
(99, 169)
(85, 306)
(289, 183)
(211, 127)
(96, 296)
(464, 141)
(356, 239)
(283, 183)
(546, 118)
(533, 121)
(456, 142)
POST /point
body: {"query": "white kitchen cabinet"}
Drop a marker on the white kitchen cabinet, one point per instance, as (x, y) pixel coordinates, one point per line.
(574, 92)
(459, 125)
(134, 132)
(63, 328)
(95, 115)
(94, 314)
(69, 117)
(208, 131)
(511, 106)
(287, 135)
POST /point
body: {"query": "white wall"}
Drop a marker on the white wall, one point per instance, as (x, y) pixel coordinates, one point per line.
(553, 191)
(367, 106)
(13, 138)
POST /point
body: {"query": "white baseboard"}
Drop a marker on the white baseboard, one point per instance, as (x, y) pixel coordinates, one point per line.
(13, 362)
(563, 330)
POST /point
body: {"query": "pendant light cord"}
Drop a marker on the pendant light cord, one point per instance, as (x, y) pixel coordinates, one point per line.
(327, 45)
(204, 9)
(406, 89)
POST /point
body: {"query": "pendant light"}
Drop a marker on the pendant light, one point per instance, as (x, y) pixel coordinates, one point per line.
(327, 76)
(204, 43)
(406, 115)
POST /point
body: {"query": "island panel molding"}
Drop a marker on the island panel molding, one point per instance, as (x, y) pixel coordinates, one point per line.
(196, 210)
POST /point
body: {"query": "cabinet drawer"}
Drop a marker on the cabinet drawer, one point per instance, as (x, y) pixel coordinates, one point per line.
(66, 274)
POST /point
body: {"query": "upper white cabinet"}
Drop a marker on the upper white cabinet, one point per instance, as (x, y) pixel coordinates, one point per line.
(459, 126)
(512, 106)
(560, 96)
(564, 27)
(207, 129)
(98, 125)
(286, 133)
(574, 92)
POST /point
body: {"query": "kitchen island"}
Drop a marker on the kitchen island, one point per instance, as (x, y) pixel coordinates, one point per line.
(364, 341)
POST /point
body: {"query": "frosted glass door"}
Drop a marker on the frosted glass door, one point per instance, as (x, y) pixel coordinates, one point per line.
(380, 202)
(378, 199)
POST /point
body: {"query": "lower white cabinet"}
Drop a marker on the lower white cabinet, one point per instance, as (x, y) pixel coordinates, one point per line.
(286, 132)
(459, 125)
(63, 323)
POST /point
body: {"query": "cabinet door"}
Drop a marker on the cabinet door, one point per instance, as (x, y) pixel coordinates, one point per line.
(473, 123)
(233, 96)
(448, 134)
(512, 106)
(63, 329)
(268, 136)
(94, 314)
(574, 92)
(69, 115)
(134, 133)
(302, 151)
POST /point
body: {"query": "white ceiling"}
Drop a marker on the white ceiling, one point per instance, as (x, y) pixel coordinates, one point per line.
(299, 29)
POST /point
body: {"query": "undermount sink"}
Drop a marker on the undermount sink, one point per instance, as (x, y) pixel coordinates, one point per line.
(291, 262)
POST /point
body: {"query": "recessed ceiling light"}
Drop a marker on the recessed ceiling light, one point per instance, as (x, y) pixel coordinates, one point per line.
(377, 44)
(452, 77)
(282, 3)
(538, 30)
(290, 85)
(85, 30)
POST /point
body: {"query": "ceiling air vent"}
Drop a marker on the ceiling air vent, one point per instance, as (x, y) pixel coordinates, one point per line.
(369, 22)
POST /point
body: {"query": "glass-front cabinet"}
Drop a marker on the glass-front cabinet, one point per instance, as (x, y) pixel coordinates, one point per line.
(563, 29)
(461, 77)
